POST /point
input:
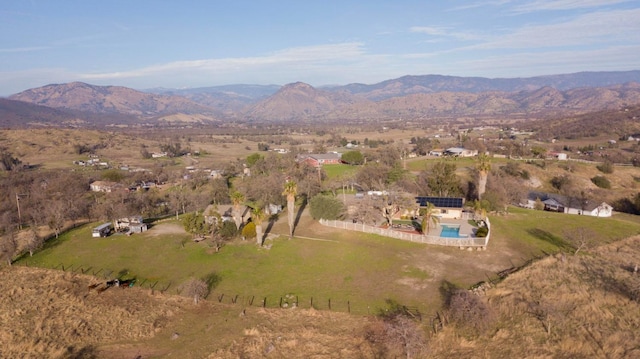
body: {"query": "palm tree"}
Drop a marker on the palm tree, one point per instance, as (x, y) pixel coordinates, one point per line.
(483, 167)
(290, 190)
(429, 217)
(257, 216)
(237, 199)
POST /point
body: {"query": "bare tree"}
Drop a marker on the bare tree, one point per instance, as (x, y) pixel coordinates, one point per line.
(55, 215)
(8, 247)
(580, 238)
(397, 336)
(33, 241)
(195, 288)
(550, 313)
(467, 310)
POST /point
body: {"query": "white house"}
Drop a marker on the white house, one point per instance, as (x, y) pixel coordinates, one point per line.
(460, 152)
(446, 207)
(557, 203)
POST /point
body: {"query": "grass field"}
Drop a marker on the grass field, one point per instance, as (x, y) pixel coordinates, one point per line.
(337, 171)
(323, 263)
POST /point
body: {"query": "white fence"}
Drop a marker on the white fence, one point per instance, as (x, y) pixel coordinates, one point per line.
(479, 242)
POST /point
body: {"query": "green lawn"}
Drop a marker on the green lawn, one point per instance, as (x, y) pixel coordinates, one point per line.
(338, 265)
(337, 270)
(530, 230)
(336, 171)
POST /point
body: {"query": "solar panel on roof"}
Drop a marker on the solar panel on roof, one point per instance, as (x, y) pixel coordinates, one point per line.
(442, 202)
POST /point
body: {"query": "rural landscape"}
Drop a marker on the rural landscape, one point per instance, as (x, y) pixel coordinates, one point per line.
(420, 217)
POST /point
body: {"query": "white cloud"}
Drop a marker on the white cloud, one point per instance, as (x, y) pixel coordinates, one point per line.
(610, 26)
(24, 49)
(542, 5)
(289, 57)
(562, 61)
(442, 31)
(480, 4)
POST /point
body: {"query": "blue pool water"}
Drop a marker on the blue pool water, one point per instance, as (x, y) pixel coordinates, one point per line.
(450, 231)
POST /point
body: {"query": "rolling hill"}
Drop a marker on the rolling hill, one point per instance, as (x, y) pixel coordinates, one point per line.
(420, 98)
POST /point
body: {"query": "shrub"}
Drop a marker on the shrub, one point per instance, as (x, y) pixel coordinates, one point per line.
(601, 181)
(326, 207)
(353, 157)
(559, 182)
(249, 230)
(467, 310)
(228, 230)
(606, 167)
(482, 232)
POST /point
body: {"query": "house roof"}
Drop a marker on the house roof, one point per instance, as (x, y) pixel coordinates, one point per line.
(455, 150)
(441, 202)
(570, 202)
(325, 156)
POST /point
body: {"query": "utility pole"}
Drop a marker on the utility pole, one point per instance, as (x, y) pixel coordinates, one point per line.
(19, 214)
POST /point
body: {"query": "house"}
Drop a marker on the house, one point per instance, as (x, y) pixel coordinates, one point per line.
(133, 224)
(103, 186)
(560, 156)
(102, 230)
(319, 159)
(570, 205)
(215, 174)
(460, 152)
(446, 207)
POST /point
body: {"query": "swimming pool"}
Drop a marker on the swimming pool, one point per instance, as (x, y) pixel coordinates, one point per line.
(450, 231)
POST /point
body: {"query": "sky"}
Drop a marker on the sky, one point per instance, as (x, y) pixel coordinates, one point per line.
(187, 44)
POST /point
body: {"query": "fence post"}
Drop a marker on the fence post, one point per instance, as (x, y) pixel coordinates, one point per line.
(329, 303)
(220, 298)
(348, 307)
(264, 302)
(311, 302)
(251, 301)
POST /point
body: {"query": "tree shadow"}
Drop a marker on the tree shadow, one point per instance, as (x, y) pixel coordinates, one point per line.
(303, 205)
(122, 273)
(446, 290)
(272, 220)
(549, 238)
(88, 352)
(212, 279)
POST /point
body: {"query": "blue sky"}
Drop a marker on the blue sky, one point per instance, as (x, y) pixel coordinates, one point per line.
(143, 44)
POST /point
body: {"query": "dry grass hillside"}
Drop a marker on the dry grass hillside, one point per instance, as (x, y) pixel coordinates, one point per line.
(562, 306)
(54, 314)
(565, 306)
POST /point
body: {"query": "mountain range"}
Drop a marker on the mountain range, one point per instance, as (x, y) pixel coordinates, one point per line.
(410, 97)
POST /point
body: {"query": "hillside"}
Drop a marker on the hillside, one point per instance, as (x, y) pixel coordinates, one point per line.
(21, 114)
(109, 99)
(299, 101)
(421, 98)
(407, 85)
(564, 306)
(618, 124)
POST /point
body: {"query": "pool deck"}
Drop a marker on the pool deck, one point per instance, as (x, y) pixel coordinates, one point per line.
(466, 230)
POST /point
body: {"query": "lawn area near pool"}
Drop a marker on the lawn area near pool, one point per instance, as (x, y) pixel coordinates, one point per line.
(320, 262)
(364, 271)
